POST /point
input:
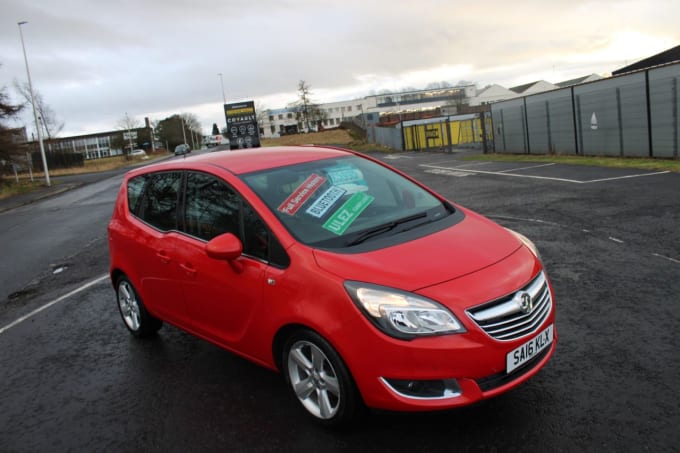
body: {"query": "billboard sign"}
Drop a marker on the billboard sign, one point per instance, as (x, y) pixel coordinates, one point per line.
(242, 129)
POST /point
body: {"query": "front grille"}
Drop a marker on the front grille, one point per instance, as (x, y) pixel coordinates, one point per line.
(513, 316)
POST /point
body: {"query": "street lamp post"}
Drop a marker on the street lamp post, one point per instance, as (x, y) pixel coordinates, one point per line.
(35, 113)
(224, 98)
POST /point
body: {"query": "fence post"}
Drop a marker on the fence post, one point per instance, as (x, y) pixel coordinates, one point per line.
(505, 146)
(525, 124)
(573, 114)
(547, 117)
(674, 98)
(620, 120)
(485, 148)
(579, 131)
(649, 114)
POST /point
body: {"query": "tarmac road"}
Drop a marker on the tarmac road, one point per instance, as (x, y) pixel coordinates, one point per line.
(73, 379)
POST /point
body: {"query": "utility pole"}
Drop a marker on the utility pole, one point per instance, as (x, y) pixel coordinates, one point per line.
(35, 113)
(224, 98)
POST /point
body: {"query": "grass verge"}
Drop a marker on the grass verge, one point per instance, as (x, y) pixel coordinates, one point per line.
(616, 162)
(333, 137)
(9, 187)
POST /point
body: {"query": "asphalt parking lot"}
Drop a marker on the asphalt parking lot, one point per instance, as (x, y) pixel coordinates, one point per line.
(73, 379)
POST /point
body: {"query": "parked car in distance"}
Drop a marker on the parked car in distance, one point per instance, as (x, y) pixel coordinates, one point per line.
(363, 287)
(182, 148)
(139, 153)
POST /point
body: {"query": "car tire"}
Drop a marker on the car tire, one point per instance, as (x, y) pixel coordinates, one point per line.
(320, 379)
(136, 318)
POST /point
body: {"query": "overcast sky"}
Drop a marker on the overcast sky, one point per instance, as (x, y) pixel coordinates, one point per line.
(95, 60)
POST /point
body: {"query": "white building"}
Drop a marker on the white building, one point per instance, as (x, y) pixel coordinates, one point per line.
(277, 122)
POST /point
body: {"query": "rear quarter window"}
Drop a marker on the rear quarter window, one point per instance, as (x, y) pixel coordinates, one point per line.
(135, 187)
(158, 200)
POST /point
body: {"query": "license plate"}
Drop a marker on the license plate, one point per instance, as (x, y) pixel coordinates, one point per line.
(518, 357)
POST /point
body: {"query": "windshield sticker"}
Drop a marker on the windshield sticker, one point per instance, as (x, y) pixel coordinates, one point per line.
(348, 177)
(325, 201)
(300, 195)
(348, 213)
(345, 174)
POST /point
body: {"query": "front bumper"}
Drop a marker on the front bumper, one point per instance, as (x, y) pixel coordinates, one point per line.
(470, 366)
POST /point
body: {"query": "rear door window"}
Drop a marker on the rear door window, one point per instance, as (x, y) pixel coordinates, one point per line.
(211, 207)
(158, 204)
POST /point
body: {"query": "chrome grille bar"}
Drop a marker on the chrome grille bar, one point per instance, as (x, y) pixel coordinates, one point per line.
(503, 319)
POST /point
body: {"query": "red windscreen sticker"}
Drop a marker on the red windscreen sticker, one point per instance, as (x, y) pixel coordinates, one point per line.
(300, 195)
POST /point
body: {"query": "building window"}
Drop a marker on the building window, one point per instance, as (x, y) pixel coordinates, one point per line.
(289, 116)
(280, 116)
(271, 118)
(332, 122)
(273, 128)
(349, 108)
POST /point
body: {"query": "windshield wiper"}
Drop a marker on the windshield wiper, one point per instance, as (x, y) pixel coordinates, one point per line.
(384, 228)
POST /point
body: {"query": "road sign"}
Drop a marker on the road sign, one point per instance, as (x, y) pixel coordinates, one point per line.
(242, 125)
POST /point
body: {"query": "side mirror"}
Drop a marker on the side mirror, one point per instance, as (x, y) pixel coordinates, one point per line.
(226, 247)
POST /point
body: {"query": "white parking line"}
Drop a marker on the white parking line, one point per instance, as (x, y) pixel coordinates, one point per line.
(526, 168)
(549, 178)
(501, 174)
(672, 260)
(55, 301)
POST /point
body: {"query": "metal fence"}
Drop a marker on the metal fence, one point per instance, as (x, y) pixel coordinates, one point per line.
(442, 133)
(386, 136)
(629, 115)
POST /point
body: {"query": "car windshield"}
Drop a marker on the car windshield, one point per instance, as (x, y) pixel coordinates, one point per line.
(342, 202)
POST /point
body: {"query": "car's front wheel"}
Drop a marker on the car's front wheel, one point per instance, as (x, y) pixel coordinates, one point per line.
(319, 379)
(138, 321)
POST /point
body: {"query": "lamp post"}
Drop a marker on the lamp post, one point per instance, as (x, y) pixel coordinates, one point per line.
(224, 98)
(35, 113)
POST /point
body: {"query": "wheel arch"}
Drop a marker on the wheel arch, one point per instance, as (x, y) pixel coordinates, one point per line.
(280, 339)
(115, 275)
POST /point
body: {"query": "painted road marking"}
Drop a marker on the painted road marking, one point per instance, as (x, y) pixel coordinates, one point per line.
(672, 260)
(54, 302)
(437, 171)
(526, 168)
(549, 178)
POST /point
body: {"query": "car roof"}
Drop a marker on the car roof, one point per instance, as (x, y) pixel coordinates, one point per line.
(255, 159)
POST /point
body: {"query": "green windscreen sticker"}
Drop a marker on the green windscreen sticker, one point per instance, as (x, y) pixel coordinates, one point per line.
(348, 213)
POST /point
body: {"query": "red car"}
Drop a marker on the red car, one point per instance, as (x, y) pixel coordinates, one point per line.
(359, 284)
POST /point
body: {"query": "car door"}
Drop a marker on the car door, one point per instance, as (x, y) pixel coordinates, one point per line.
(221, 297)
(152, 242)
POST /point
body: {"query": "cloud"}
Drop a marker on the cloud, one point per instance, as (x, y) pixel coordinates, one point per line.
(94, 61)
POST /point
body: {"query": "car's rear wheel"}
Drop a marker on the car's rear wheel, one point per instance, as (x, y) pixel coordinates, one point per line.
(138, 321)
(319, 379)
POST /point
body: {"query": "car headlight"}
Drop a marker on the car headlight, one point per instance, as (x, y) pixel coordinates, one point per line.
(526, 241)
(401, 314)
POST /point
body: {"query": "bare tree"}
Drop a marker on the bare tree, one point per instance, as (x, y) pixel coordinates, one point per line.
(128, 139)
(178, 129)
(50, 122)
(192, 130)
(309, 113)
(9, 148)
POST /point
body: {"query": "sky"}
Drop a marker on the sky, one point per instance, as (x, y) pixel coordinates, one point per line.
(95, 61)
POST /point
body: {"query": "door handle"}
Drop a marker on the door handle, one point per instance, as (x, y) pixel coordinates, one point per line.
(165, 259)
(188, 268)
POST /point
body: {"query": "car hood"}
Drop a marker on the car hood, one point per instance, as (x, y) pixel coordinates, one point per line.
(464, 248)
